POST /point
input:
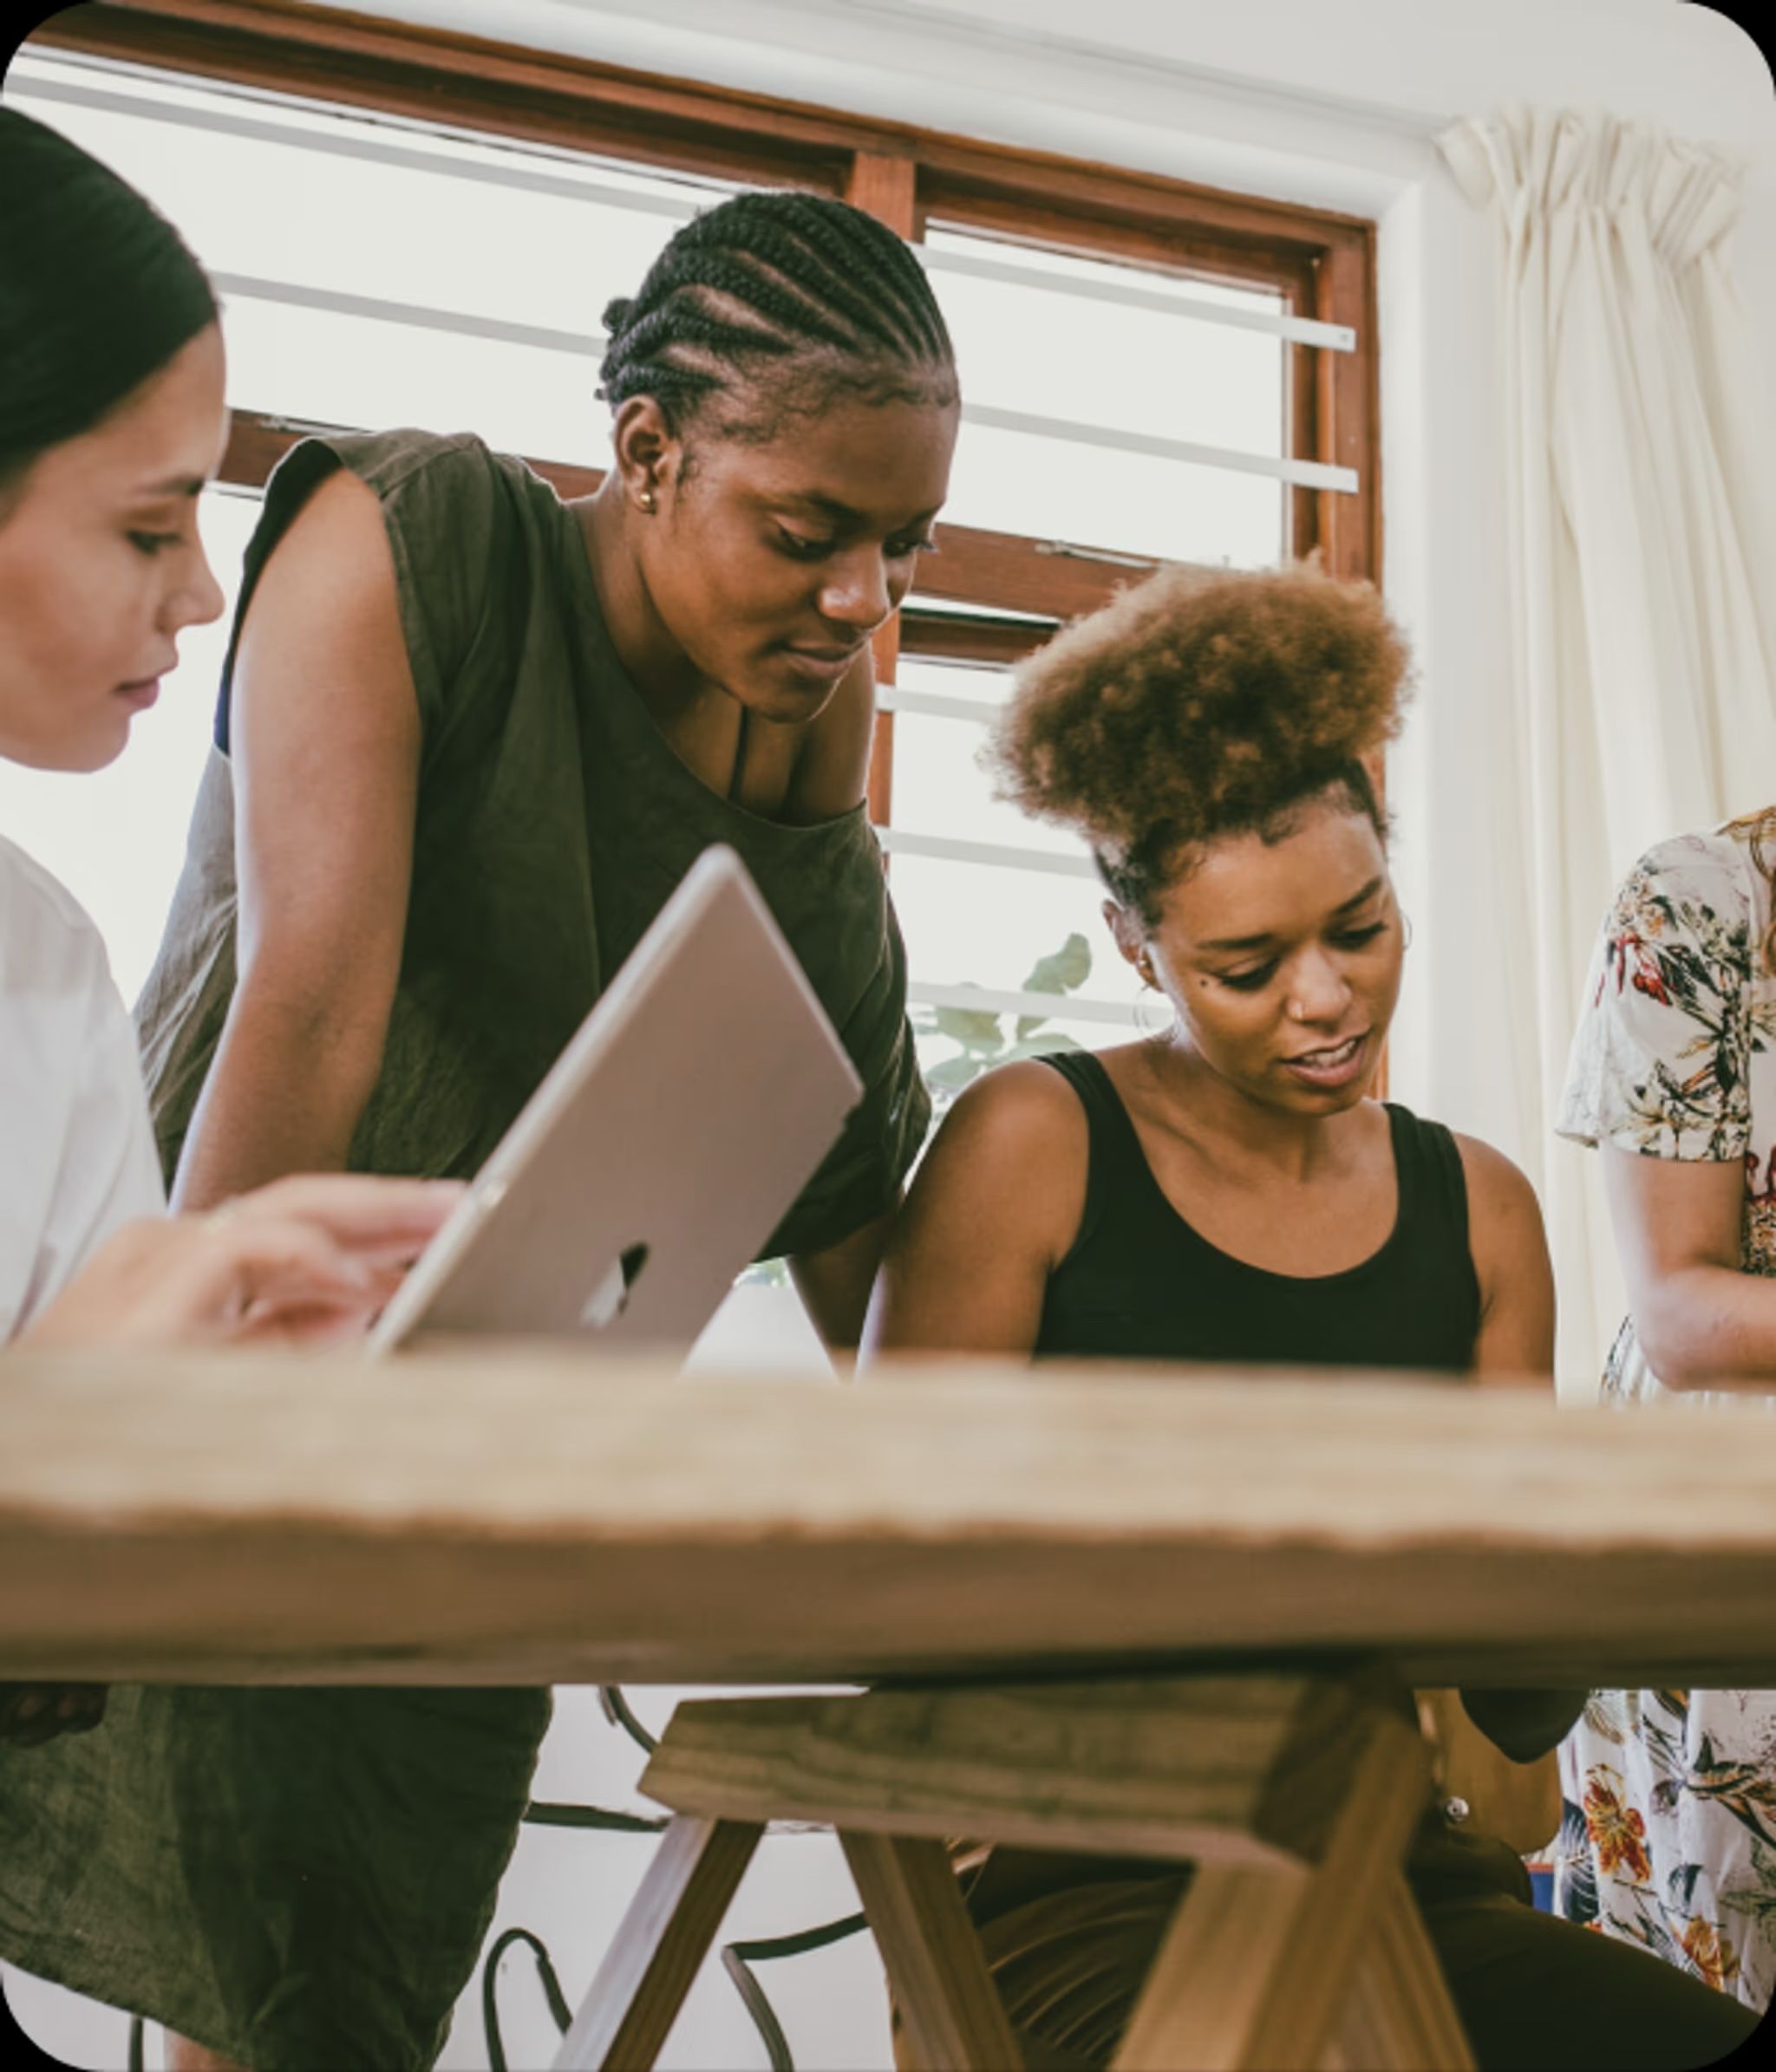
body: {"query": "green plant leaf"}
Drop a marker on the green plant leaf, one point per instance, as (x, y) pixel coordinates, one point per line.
(1043, 1046)
(972, 1026)
(952, 1074)
(1065, 970)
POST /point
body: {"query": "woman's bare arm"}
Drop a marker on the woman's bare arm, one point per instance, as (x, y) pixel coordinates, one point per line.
(1702, 1321)
(325, 742)
(992, 1210)
(1510, 1248)
(834, 1284)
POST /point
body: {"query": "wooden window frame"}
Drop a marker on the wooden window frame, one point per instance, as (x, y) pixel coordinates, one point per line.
(1323, 262)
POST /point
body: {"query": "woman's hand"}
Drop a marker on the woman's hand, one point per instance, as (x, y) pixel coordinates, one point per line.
(302, 1261)
(31, 1714)
(297, 1263)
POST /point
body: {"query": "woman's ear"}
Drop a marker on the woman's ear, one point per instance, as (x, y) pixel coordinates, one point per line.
(1130, 937)
(647, 452)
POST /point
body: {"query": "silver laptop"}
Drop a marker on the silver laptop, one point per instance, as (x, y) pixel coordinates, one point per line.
(660, 1152)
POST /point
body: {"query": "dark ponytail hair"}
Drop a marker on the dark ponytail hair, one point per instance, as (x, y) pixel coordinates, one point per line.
(98, 291)
(793, 294)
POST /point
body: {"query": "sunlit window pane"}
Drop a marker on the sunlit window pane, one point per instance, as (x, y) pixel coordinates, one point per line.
(941, 789)
(980, 684)
(429, 234)
(1058, 353)
(986, 924)
(1133, 503)
(314, 365)
(967, 241)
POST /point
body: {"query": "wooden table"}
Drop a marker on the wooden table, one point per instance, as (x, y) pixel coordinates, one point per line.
(502, 1515)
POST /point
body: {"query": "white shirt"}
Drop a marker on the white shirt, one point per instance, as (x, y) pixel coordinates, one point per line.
(77, 1153)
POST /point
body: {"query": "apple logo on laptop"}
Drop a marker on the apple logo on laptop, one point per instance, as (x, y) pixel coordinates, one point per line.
(610, 1295)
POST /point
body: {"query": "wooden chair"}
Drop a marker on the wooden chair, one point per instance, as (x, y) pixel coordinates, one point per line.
(1297, 1944)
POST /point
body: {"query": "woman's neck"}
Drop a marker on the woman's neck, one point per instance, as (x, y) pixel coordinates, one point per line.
(667, 680)
(1232, 1131)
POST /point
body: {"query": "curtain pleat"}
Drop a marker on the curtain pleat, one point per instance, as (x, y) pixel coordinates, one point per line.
(1638, 462)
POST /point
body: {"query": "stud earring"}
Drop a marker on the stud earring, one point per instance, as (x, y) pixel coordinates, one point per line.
(646, 500)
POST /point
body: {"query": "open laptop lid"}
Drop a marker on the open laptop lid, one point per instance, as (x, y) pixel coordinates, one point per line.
(660, 1151)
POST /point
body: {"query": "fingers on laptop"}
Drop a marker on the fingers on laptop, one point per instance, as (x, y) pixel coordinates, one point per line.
(300, 1261)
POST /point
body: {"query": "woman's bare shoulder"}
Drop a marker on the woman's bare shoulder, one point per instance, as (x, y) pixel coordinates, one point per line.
(1025, 1098)
(1501, 1199)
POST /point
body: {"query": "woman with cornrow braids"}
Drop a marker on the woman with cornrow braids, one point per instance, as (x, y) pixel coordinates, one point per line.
(469, 739)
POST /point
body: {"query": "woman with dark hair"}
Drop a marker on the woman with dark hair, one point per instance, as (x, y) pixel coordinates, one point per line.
(1231, 1192)
(469, 739)
(111, 420)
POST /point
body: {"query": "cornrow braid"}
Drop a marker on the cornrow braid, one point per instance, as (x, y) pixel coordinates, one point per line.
(798, 286)
(912, 321)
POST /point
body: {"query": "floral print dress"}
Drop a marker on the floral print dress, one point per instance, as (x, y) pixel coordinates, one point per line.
(1668, 1838)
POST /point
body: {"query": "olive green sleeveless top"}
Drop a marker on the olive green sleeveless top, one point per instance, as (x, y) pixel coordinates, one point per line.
(552, 822)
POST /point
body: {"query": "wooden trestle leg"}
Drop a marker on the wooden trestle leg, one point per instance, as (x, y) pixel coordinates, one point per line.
(1297, 1946)
(665, 1935)
(930, 1950)
(1259, 1968)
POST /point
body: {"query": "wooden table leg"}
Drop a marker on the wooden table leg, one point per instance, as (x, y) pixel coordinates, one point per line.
(951, 2009)
(1257, 1967)
(1224, 1955)
(641, 1985)
(1401, 2012)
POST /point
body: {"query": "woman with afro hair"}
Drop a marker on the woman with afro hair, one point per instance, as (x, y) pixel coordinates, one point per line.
(1232, 1191)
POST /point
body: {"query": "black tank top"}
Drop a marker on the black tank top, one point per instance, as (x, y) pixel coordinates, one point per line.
(1140, 1283)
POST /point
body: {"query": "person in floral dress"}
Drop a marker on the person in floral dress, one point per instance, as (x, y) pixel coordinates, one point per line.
(1668, 1838)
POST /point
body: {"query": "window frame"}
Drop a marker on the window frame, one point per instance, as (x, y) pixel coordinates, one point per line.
(1016, 588)
(1322, 261)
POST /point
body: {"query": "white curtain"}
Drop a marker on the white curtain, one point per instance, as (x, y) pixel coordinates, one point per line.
(1637, 460)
